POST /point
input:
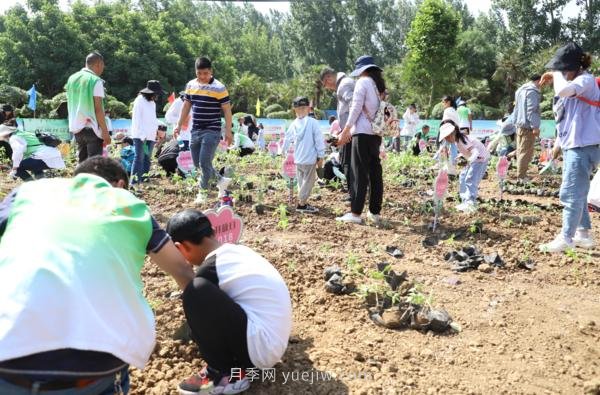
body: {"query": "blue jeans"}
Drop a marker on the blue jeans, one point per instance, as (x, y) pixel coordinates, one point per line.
(469, 181)
(105, 386)
(453, 153)
(141, 160)
(203, 147)
(578, 166)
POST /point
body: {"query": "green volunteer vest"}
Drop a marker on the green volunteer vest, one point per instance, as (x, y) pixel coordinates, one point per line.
(80, 95)
(81, 225)
(33, 143)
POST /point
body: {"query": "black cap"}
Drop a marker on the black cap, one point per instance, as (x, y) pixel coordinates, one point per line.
(300, 101)
(7, 107)
(566, 58)
(153, 86)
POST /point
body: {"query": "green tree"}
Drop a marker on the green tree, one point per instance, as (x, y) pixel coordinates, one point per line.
(431, 60)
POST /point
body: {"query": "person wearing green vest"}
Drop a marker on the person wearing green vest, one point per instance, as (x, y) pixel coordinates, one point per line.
(74, 315)
(243, 143)
(85, 95)
(465, 118)
(29, 154)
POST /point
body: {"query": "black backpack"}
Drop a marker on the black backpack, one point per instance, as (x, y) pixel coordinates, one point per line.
(48, 139)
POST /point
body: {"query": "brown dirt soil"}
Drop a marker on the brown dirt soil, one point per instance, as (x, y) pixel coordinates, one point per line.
(522, 331)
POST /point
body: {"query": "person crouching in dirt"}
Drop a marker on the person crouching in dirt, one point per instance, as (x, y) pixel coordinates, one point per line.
(242, 143)
(577, 112)
(477, 156)
(238, 307)
(30, 157)
(309, 151)
(74, 316)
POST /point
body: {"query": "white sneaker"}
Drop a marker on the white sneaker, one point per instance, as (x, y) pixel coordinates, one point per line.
(583, 241)
(461, 206)
(222, 185)
(559, 244)
(349, 217)
(374, 218)
(467, 207)
(201, 198)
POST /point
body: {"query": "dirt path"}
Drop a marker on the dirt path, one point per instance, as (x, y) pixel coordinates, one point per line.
(522, 331)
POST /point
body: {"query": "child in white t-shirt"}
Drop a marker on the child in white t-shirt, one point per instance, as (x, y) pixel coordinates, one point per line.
(238, 307)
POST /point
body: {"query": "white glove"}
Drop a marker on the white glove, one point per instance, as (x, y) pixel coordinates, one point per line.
(13, 174)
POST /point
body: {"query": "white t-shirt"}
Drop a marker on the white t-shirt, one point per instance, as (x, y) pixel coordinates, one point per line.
(172, 116)
(253, 283)
(144, 123)
(410, 123)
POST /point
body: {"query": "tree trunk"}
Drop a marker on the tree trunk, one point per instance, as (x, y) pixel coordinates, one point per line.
(429, 108)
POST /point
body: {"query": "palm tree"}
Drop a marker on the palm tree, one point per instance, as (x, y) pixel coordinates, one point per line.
(510, 68)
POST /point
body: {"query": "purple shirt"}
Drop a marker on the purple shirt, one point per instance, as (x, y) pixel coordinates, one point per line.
(580, 125)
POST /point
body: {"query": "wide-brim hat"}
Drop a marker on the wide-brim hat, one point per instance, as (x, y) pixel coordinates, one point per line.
(6, 131)
(446, 130)
(153, 87)
(566, 58)
(363, 63)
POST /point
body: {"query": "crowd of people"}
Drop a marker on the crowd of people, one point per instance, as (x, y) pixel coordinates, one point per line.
(63, 297)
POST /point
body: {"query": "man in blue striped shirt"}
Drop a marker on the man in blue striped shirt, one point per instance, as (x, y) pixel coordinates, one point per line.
(206, 97)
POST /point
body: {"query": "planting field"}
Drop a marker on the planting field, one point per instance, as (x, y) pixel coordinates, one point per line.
(529, 325)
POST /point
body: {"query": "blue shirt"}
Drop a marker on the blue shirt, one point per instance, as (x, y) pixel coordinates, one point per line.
(580, 123)
(309, 142)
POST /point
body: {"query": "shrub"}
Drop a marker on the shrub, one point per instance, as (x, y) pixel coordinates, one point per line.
(280, 115)
(273, 108)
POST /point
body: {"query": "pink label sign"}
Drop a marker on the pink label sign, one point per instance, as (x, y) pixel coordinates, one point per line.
(273, 147)
(185, 162)
(289, 167)
(502, 167)
(226, 224)
(441, 184)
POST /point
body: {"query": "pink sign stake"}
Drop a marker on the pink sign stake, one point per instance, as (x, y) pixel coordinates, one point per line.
(185, 162)
(273, 147)
(289, 166)
(502, 169)
(441, 187)
(226, 224)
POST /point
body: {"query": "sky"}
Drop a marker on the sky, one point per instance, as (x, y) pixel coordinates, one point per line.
(476, 6)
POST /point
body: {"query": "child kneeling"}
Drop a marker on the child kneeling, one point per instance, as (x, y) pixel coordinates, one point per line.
(477, 156)
(309, 150)
(238, 307)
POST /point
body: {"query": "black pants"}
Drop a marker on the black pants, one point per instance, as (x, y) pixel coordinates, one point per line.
(218, 324)
(169, 165)
(346, 162)
(88, 144)
(36, 166)
(246, 151)
(366, 167)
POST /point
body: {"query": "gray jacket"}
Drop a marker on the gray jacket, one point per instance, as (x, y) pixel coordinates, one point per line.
(527, 107)
(344, 91)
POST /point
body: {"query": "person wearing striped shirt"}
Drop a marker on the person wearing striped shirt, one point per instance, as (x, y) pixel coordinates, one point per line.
(206, 98)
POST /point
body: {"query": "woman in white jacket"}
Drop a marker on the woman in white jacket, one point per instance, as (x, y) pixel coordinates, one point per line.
(144, 126)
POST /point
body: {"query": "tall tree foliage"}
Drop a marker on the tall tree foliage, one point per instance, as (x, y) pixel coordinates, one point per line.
(431, 62)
